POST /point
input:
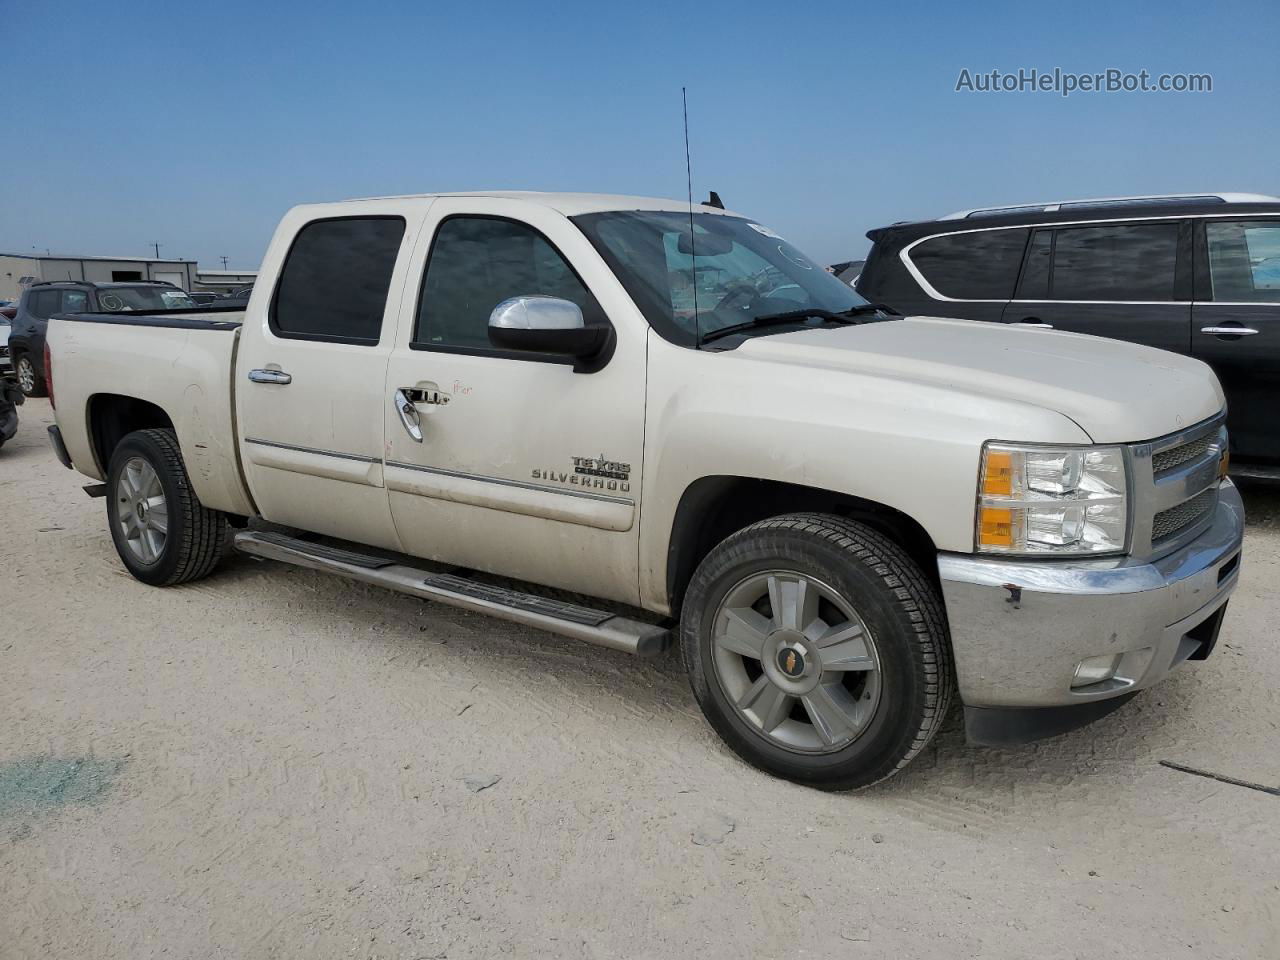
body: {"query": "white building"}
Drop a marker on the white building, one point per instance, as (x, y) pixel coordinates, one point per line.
(224, 281)
(19, 270)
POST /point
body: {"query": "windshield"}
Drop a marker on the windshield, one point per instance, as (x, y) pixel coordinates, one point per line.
(729, 271)
(127, 299)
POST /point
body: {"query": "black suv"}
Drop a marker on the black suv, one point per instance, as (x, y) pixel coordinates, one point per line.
(1199, 275)
(40, 301)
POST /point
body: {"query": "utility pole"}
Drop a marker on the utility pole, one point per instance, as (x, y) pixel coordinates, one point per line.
(224, 262)
(157, 246)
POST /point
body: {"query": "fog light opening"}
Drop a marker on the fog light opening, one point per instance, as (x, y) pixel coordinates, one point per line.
(1096, 670)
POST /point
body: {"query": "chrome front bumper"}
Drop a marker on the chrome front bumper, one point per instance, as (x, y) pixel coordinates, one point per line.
(1019, 628)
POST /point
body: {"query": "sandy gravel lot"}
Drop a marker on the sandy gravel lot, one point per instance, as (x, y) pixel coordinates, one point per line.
(276, 763)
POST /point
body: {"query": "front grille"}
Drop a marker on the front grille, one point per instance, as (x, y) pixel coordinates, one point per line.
(1167, 460)
(1168, 522)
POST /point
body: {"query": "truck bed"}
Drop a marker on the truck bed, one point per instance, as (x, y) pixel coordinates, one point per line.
(182, 361)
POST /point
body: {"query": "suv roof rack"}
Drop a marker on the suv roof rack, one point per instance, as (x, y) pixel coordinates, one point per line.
(1153, 199)
(101, 283)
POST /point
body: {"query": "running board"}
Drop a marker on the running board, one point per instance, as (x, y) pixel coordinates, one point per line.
(555, 616)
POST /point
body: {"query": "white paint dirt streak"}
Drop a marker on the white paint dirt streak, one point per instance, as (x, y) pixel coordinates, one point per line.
(296, 750)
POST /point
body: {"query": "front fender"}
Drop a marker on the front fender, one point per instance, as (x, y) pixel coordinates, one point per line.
(909, 446)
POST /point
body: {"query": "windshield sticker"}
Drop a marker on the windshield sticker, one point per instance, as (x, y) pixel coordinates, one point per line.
(795, 258)
(763, 231)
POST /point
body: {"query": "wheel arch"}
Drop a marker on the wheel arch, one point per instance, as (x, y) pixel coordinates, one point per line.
(111, 417)
(715, 507)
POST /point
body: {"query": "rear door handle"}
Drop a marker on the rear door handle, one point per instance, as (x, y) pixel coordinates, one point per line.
(270, 376)
(1229, 331)
(1032, 322)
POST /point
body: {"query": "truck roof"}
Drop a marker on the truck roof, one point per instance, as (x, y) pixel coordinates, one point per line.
(569, 204)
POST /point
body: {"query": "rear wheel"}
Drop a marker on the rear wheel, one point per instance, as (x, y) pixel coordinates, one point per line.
(161, 531)
(29, 382)
(818, 650)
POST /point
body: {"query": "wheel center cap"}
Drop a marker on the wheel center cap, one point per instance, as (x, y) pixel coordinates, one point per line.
(142, 510)
(791, 662)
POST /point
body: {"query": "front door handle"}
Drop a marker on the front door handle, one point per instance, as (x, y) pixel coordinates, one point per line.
(1032, 322)
(270, 376)
(1229, 331)
(426, 393)
(408, 415)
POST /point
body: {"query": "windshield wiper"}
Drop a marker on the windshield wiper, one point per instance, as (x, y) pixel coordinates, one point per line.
(792, 316)
(866, 308)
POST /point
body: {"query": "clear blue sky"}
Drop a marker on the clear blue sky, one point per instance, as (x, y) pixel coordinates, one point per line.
(198, 126)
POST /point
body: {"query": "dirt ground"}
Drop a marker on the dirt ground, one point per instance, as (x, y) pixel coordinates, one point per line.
(277, 763)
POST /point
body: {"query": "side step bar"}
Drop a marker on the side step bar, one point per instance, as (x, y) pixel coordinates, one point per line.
(555, 616)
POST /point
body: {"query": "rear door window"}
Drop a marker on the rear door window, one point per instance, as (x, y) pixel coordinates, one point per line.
(1034, 284)
(335, 280)
(1244, 260)
(1115, 262)
(74, 301)
(972, 266)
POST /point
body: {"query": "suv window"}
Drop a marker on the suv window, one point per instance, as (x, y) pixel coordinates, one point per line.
(335, 280)
(45, 303)
(1244, 260)
(1034, 284)
(475, 264)
(972, 266)
(1115, 262)
(74, 301)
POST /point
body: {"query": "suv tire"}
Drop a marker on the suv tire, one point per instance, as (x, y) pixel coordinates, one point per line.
(29, 382)
(161, 530)
(818, 650)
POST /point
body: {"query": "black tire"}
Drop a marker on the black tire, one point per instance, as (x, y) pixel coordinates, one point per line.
(196, 535)
(38, 387)
(893, 598)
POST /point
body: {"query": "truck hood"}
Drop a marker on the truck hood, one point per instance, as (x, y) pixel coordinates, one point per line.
(1116, 392)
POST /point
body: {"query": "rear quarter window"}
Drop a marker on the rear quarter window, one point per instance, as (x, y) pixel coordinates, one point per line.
(972, 266)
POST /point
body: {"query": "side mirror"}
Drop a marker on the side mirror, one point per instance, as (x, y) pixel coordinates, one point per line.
(545, 325)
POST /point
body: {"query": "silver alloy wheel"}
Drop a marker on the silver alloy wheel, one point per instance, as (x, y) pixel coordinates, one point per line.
(141, 510)
(26, 375)
(796, 661)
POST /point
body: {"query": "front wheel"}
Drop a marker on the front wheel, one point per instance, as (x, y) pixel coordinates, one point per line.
(161, 530)
(818, 650)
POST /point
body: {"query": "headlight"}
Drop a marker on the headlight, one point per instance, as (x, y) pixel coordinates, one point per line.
(1059, 501)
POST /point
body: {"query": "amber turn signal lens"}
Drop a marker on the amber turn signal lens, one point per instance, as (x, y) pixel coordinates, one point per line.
(997, 473)
(995, 527)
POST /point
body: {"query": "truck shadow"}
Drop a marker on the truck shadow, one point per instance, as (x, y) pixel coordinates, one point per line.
(563, 674)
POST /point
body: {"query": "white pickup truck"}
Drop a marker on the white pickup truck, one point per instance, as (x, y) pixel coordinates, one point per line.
(843, 517)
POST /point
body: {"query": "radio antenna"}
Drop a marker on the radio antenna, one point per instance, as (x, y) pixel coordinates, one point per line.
(693, 253)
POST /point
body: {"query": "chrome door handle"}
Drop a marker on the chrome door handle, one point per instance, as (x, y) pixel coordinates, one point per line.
(1032, 323)
(1229, 331)
(408, 415)
(270, 376)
